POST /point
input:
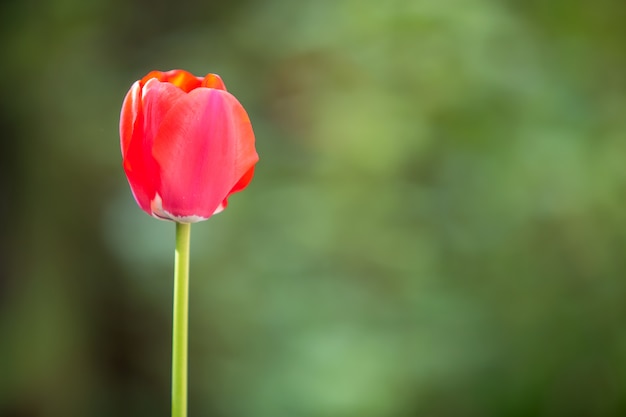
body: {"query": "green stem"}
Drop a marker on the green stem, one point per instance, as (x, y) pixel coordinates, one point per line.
(181, 314)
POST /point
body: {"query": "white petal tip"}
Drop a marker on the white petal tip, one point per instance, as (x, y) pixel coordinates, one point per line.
(156, 206)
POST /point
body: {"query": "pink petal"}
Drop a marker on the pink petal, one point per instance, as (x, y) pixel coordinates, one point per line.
(128, 116)
(158, 99)
(204, 146)
(147, 111)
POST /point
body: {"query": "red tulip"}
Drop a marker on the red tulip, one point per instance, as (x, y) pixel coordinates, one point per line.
(187, 145)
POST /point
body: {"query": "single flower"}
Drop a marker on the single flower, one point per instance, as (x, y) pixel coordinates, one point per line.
(187, 145)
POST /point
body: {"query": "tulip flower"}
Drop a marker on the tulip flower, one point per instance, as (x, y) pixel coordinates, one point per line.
(187, 145)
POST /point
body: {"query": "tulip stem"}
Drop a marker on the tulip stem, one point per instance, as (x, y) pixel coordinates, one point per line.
(180, 322)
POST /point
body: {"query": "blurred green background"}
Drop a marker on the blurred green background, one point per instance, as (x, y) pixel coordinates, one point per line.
(436, 226)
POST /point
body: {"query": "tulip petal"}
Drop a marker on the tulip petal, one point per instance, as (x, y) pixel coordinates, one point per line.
(204, 146)
(243, 181)
(128, 116)
(159, 75)
(241, 184)
(141, 169)
(131, 135)
(158, 99)
(183, 80)
(213, 81)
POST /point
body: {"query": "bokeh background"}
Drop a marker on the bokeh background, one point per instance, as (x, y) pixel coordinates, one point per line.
(437, 225)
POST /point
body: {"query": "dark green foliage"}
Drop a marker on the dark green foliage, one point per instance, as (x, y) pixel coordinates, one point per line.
(436, 226)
